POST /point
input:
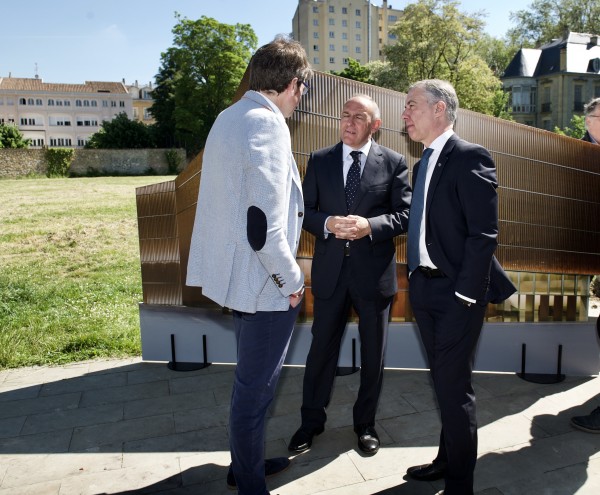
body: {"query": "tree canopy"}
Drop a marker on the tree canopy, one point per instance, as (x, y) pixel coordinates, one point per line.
(545, 20)
(11, 137)
(198, 78)
(122, 133)
(436, 40)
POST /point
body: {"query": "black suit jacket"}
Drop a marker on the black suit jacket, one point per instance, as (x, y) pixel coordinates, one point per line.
(462, 221)
(383, 198)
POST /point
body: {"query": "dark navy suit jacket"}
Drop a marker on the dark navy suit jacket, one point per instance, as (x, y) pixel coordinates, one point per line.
(462, 221)
(383, 198)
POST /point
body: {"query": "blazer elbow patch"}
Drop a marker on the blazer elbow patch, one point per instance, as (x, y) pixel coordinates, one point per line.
(256, 228)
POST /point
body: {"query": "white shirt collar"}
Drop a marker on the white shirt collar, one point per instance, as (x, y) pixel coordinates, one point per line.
(364, 149)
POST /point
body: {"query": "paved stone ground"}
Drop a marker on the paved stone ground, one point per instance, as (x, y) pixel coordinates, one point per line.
(132, 427)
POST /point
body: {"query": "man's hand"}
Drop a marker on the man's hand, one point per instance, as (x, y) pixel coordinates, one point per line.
(351, 227)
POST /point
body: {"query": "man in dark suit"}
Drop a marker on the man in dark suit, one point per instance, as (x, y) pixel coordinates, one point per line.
(356, 199)
(452, 237)
(592, 121)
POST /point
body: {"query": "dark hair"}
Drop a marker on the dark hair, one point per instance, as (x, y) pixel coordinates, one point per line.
(439, 90)
(275, 64)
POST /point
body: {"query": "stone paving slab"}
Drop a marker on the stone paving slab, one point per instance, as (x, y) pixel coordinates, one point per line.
(132, 427)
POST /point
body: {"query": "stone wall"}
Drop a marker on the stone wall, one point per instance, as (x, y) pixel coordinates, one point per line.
(20, 162)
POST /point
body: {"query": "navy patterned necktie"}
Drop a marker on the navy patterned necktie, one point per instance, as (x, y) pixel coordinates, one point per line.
(416, 213)
(353, 179)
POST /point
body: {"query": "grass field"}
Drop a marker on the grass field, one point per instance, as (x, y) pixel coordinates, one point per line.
(70, 279)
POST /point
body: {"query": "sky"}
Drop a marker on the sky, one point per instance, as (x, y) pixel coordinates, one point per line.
(73, 41)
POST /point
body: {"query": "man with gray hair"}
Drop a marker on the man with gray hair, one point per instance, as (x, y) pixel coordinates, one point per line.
(452, 236)
(356, 199)
(592, 121)
(591, 422)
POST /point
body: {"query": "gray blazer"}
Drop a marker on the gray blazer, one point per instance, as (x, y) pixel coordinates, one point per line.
(249, 212)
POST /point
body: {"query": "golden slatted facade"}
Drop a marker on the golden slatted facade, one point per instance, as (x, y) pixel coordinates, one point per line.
(549, 196)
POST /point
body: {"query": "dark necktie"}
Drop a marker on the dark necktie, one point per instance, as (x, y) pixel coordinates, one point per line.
(416, 212)
(353, 179)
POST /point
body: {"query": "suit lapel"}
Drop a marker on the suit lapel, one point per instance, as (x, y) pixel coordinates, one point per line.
(439, 168)
(336, 175)
(369, 174)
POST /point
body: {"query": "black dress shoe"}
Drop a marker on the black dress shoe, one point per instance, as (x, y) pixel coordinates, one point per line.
(272, 467)
(302, 439)
(427, 472)
(368, 440)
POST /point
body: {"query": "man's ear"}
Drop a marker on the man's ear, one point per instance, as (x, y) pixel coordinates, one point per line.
(375, 126)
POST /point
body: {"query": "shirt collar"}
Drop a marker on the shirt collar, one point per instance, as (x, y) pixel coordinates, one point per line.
(439, 142)
(364, 149)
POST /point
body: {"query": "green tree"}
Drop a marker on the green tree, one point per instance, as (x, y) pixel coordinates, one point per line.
(545, 20)
(575, 129)
(199, 77)
(356, 72)
(436, 40)
(11, 137)
(122, 133)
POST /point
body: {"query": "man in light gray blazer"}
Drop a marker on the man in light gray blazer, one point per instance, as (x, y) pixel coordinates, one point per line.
(244, 241)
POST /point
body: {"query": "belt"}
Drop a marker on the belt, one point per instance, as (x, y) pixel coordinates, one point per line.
(431, 272)
(347, 249)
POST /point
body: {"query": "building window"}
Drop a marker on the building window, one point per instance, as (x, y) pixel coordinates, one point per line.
(392, 18)
(597, 92)
(315, 22)
(30, 101)
(344, 10)
(113, 104)
(67, 103)
(147, 114)
(22, 101)
(86, 103)
(78, 103)
(578, 98)
(94, 103)
(345, 48)
(122, 104)
(316, 35)
(358, 49)
(344, 36)
(344, 23)
(331, 34)
(331, 60)
(81, 142)
(316, 48)
(357, 24)
(59, 103)
(345, 61)
(523, 99)
(331, 9)
(50, 102)
(315, 10)
(392, 36)
(332, 47)
(38, 102)
(358, 12)
(332, 22)
(358, 37)
(316, 60)
(25, 121)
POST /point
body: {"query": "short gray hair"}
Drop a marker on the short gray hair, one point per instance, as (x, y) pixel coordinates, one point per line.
(439, 90)
(591, 106)
(375, 112)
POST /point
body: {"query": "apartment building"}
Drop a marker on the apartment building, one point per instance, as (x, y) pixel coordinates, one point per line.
(334, 31)
(142, 102)
(61, 115)
(551, 84)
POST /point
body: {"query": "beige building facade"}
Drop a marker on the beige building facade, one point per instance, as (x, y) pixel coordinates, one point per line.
(61, 115)
(551, 84)
(334, 31)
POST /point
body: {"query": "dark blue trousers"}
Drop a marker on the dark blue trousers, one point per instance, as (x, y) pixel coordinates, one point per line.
(449, 332)
(262, 340)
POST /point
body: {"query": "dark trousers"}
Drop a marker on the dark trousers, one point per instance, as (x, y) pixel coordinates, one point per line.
(449, 331)
(262, 339)
(330, 318)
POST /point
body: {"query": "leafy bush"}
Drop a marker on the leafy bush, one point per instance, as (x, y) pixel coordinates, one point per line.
(173, 161)
(59, 161)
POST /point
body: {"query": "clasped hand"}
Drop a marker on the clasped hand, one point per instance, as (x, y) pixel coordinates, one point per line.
(351, 227)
